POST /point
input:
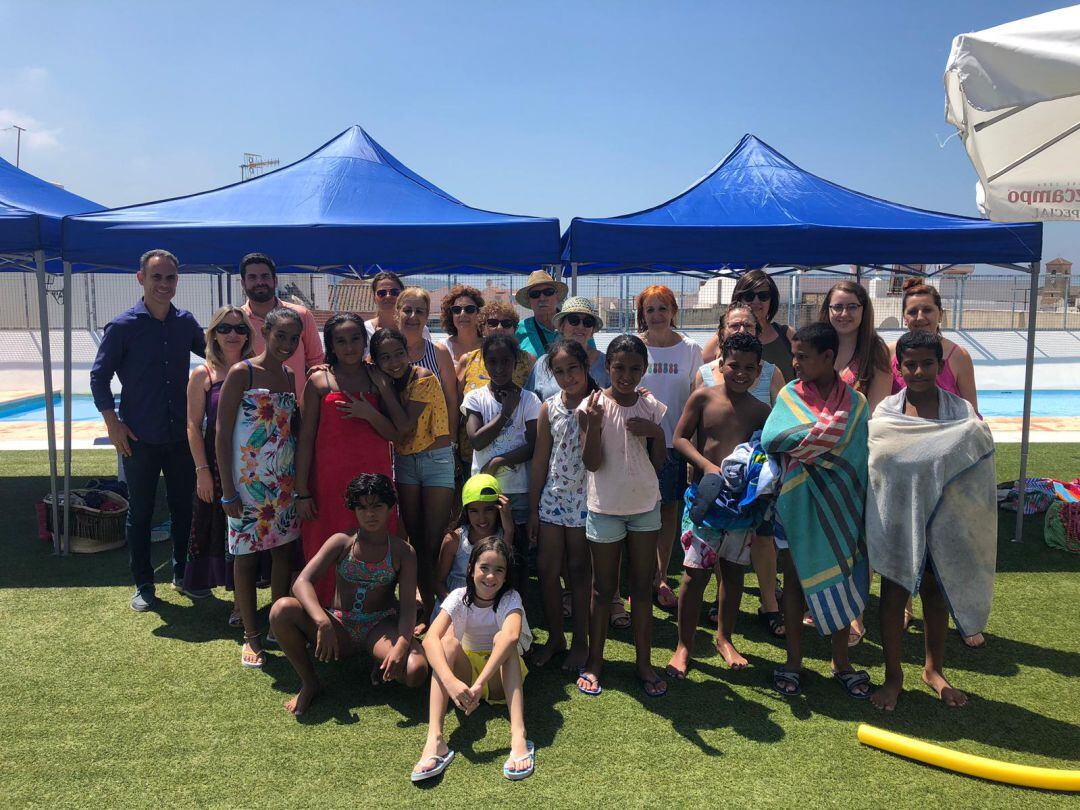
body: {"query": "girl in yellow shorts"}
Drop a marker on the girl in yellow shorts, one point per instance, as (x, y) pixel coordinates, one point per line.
(475, 646)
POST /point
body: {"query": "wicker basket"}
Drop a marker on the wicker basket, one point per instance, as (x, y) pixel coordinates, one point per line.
(92, 530)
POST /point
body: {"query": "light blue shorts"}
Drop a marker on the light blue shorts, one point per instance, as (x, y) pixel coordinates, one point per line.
(429, 468)
(519, 507)
(613, 528)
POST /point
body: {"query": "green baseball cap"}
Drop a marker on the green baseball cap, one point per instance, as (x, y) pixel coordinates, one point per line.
(481, 487)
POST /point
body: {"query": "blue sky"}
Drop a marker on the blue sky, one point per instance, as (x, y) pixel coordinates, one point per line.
(558, 108)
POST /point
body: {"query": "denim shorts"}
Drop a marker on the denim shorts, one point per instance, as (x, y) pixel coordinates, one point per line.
(672, 478)
(519, 507)
(428, 468)
(613, 528)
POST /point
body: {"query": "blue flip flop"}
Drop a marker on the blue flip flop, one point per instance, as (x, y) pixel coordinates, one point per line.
(591, 679)
(517, 776)
(441, 764)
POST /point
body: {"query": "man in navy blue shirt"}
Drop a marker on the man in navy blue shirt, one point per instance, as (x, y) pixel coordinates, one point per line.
(149, 348)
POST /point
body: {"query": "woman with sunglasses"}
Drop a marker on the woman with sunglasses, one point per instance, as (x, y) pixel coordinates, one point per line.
(385, 289)
(460, 312)
(757, 289)
(542, 295)
(496, 318)
(673, 361)
(578, 320)
(228, 341)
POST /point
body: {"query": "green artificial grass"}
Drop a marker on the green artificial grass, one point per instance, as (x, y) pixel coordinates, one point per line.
(104, 707)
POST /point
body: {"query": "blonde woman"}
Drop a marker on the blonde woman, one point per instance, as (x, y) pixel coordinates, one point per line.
(413, 308)
(228, 341)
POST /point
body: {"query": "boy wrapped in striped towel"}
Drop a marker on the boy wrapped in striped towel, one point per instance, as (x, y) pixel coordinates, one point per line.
(819, 428)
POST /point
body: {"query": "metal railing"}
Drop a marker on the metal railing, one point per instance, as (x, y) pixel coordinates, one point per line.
(971, 302)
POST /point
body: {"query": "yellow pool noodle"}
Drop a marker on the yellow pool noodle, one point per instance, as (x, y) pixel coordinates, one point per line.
(992, 769)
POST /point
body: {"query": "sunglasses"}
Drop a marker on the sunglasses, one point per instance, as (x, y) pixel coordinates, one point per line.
(468, 309)
(747, 297)
(505, 323)
(229, 328)
(393, 293)
(547, 292)
(410, 312)
(588, 321)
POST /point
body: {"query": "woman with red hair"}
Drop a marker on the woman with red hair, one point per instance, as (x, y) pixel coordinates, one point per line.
(669, 376)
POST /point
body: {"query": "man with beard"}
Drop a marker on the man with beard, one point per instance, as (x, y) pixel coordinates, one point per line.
(258, 275)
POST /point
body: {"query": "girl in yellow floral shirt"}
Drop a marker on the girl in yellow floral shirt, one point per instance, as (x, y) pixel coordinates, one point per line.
(423, 459)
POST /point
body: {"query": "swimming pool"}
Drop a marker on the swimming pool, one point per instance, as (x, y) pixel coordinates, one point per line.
(991, 403)
(1043, 403)
(32, 409)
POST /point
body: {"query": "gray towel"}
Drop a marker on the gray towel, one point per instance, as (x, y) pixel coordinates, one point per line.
(932, 495)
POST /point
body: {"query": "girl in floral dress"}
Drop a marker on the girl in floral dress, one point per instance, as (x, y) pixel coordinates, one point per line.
(557, 508)
(256, 442)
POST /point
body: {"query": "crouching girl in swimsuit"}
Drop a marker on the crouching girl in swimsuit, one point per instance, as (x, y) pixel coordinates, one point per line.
(366, 614)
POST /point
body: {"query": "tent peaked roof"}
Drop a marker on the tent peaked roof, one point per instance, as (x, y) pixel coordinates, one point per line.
(757, 208)
(31, 210)
(348, 203)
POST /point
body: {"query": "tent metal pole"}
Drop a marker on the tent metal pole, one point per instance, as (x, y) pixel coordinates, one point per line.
(1029, 373)
(573, 278)
(67, 408)
(50, 414)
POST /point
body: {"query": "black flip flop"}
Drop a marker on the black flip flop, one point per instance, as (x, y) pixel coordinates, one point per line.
(853, 679)
(781, 676)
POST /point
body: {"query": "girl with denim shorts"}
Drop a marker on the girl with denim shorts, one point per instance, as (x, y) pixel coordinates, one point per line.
(423, 457)
(623, 448)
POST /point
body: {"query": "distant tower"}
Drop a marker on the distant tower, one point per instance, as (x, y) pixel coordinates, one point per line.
(254, 165)
(1056, 285)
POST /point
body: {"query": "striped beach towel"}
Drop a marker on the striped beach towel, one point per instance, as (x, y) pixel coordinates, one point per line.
(822, 500)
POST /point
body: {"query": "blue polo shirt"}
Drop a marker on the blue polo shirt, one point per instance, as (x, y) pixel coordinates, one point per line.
(152, 359)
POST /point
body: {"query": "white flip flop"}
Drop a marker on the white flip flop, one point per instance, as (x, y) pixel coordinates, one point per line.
(441, 764)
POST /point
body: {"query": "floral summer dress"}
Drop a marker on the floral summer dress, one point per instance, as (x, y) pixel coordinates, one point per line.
(563, 501)
(264, 452)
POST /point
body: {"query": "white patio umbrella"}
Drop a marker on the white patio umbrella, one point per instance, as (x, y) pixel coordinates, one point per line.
(1013, 93)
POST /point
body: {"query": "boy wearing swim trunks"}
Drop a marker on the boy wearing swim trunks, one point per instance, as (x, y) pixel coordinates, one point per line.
(919, 412)
(721, 417)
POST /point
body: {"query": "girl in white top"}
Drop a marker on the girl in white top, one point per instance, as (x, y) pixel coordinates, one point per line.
(501, 426)
(557, 508)
(673, 361)
(474, 647)
(622, 447)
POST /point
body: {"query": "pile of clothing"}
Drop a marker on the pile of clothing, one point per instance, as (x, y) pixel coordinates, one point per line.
(734, 499)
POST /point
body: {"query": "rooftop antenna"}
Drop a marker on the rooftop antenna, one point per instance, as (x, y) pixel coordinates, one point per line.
(18, 141)
(255, 165)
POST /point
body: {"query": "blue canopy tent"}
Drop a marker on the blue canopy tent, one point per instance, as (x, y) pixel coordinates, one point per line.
(758, 209)
(31, 212)
(348, 207)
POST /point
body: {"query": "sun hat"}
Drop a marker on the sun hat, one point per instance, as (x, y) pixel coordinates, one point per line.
(539, 278)
(578, 306)
(481, 487)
